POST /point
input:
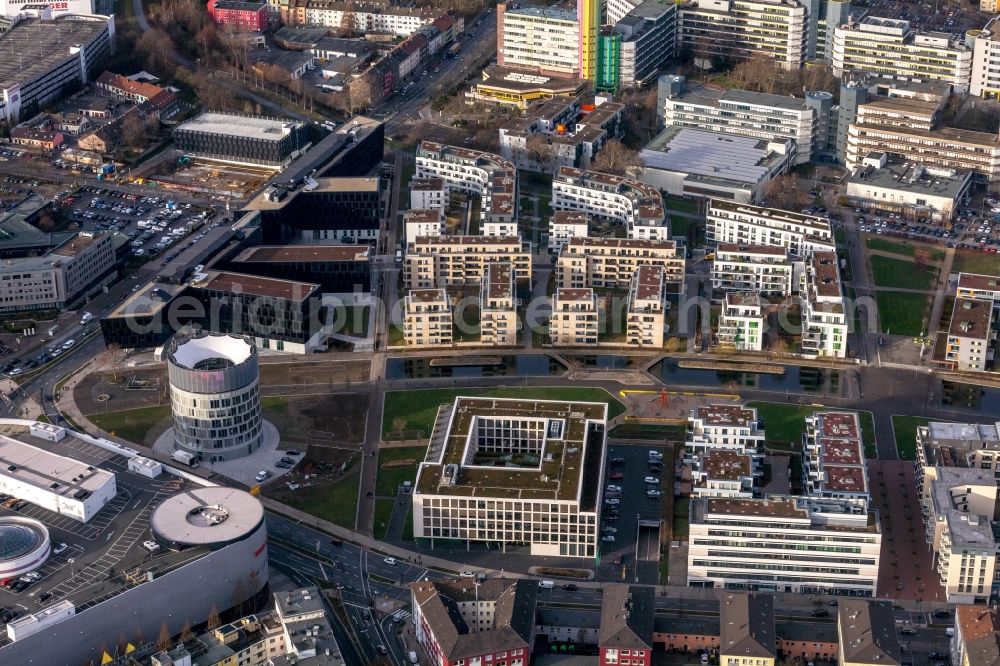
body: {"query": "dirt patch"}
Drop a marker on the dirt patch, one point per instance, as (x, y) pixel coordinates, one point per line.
(319, 422)
(322, 373)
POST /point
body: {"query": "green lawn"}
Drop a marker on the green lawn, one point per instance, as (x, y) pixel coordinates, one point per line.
(905, 429)
(896, 247)
(132, 424)
(336, 502)
(902, 313)
(351, 320)
(840, 236)
(650, 431)
(414, 411)
(383, 511)
(901, 273)
(974, 261)
(388, 479)
(786, 423)
(681, 204)
(682, 226)
(680, 530)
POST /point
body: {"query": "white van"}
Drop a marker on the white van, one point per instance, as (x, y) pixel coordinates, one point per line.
(545, 585)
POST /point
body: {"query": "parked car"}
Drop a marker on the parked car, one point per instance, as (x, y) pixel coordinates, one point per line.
(467, 574)
(391, 561)
(821, 612)
(262, 475)
(60, 549)
(608, 538)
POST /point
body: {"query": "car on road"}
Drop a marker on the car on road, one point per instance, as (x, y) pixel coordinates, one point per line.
(262, 475)
(908, 631)
(609, 530)
(616, 476)
(570, 587)
(286, 459)
(283, 465)
(941, 615)
(617, 461)
(612, 501)
(652, 493)
(467, 574)
(652, 480)
(68, 344)
(613, 488)
(293, 452)
(608, 538)
(60, 549)
(391, 561)
(821, 612)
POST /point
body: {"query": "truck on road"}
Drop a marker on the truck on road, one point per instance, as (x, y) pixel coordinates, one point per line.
(189, 459)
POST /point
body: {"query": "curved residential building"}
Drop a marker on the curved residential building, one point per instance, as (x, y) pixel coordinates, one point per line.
(214, 395)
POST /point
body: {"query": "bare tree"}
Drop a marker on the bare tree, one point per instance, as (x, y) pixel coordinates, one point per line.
(156, 49)
(673, 345)
(540, 151)
(360, 94)
(187, 633)
(163, 640)
(134, 130)
(615, 157)
(783, 192)
(213, 621)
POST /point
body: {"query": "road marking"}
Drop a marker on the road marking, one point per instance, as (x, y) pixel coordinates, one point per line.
(323, 570)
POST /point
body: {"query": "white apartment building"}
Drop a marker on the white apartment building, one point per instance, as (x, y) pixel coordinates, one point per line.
(718, 30)
(721, 473)
(498, 306)
(575, 318)
(648, 39)
(824, 318)
(971, 336)
(427, 193)
(785, 544)
(968, 445)
(612, 262)
(745, 224)
(514, 471)
(365, 17)
(423, 222)
(565, 225)
(833, 457)
(453, 261)
(634, 204)
(958, 507)
(727, 427)
(741, 322)
(891, 46)
(979, 287)
(427, 318)
(615, 10)
(488, 176)
(744, 113)
(647, 305)
(765, 269)
(985, 60)
(544, 39)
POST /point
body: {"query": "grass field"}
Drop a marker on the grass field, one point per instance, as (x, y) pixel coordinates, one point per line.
(388, 479)
(336, 502)
(681, 204)
(897, 247)
(414, 411)
(901, 274)
(905, 429)
(902, 313)
(974, 261)
(651, 431)
(383, 511)
(680, 530)
(351, 320)
(787, 423)
(133, 424)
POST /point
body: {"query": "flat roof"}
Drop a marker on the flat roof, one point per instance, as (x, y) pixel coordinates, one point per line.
(727, 415)
(256, 285)
(978, 282)
(770, 214)
(499, 279)
(725, 464)
(971, 318)
(838, 424)
(33, 47)
(230, 124)
(550, 13)
(764, 99)
(649, 281)
(149, 300)
(428, 295)
(913, 177)
(574, 294)
(826, 275)
(569, 469)
(206, 516)
(302, 253)
(840, 451)
(323, 184)
(712, 154)
(744, 298)
(621, 243)
(41, 468)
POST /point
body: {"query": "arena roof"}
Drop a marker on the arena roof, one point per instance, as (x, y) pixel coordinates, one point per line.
(205, 516)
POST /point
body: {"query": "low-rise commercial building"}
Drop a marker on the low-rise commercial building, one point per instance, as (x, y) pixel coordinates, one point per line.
(892, 46)
(743, 224)
(427, 318)
(498, 306)
(747, 636)
(833, 457)
(521, 88)
(575, 318)
(824, 311)
(909, 189)
(787, 544)
(722, 473)
(475, 622)
(765, 269)
(867, 633)
(741, 322)
(452, 261)
(742, 113)
(714, 31)
(488, 176)
(237, 139)
(515, 472)
(565, 225)
(972, 335)
(647, 305)
(687, 162)
(633, 204)
(612, 262)
(540, 39)
(979, 287)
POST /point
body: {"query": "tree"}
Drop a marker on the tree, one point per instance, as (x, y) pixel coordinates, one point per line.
(213, 622)
(784, 192)
(187, 633)
(208, 39)
(134, 130)
(156, 49)
(539, 151)
(360, 94)
(163, 642)
(673, 345)
(615, 157)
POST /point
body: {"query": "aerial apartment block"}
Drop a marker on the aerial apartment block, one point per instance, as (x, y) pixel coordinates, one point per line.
(575, 317)
(422, 223)
(647, 304)
(745, 224)
(824, 312)
(452, 261)
(510, 471)
(742, 113)
(747, 634)
(612, 262)
(541, 39)
(427, 318)
(985, 60)
(741, 322)
(765, 269)
(635, 205)
(717, 30)
(565, 225)
(365, 16)
(892, 46)
(972, 336)
(833, 457)
(722, 473)
(868, 633)
(979, 287)
(489, 176)
(498, 305)
(726, 427)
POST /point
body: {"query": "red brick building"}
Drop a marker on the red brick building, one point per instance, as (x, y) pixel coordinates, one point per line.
(238, 15)
(626, 636)
(466, 621)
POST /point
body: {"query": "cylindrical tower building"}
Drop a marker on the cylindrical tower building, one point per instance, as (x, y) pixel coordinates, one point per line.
(214, 395)
(24, 546)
